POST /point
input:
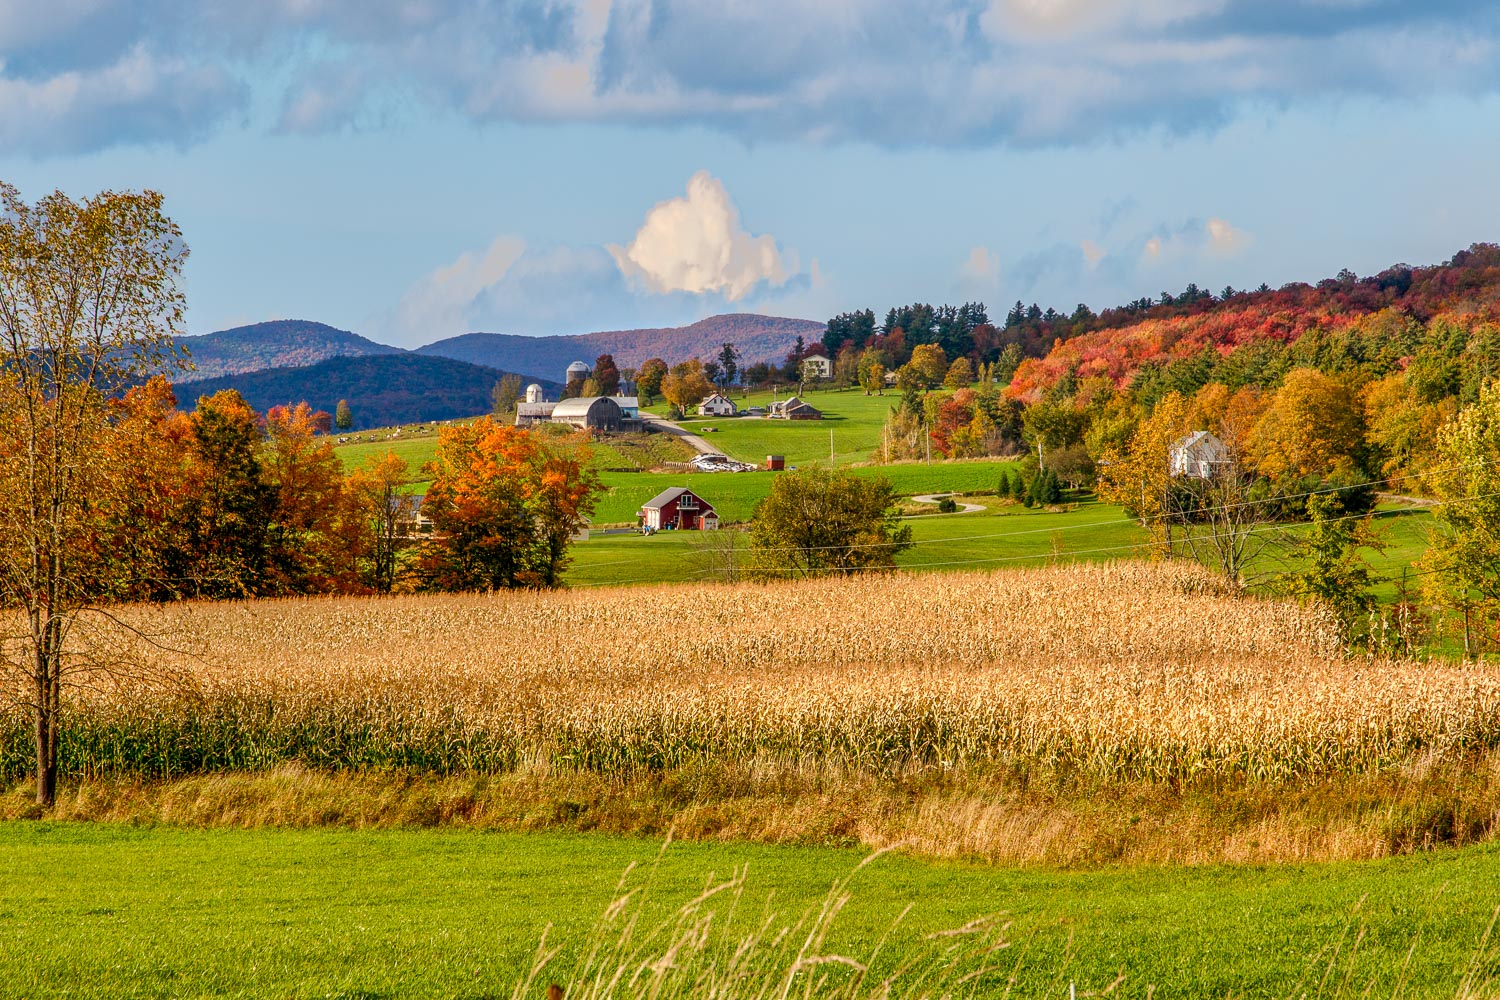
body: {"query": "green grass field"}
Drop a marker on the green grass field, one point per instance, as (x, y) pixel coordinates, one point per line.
(854, 420)
(1003, 535)
(119, 911)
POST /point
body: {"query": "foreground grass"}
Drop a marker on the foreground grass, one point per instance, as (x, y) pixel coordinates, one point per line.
(109, 910)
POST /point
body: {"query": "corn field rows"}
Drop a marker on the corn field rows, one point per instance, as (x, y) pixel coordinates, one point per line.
(1124, 670)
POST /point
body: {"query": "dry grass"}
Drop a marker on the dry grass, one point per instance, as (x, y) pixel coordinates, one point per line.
(1127, 671)
(969, 714)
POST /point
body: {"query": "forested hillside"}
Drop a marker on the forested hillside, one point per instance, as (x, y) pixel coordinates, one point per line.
(757, 338)
(278, 344)
(381, 390)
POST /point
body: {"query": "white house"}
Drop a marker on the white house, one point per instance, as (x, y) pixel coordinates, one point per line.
(1196, 456)
(816, 366)
(718, 405)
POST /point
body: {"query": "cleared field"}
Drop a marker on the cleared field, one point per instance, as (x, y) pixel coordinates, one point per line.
(734, 495)
(122, 911)
(853, 419)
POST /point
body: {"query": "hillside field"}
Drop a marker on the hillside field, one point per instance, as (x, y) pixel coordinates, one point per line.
(114, 910)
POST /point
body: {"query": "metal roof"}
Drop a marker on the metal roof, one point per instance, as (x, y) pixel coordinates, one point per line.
(664, 497)
(535, 409)
(580, 406)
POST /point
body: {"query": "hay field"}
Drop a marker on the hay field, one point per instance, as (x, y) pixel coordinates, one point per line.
(1121, 671)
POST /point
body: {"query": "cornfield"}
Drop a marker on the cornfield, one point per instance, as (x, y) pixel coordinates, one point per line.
(1135, 671)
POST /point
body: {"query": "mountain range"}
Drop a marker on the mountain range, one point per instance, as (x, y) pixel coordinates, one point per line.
(382, 389)
(286, 361)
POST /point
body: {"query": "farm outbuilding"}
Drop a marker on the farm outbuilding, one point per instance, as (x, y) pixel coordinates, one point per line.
(678, 508)
(529, 413)
(795, 408)
(594, 413)
(776, 463)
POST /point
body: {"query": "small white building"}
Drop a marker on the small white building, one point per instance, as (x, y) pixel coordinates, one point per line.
(718, 405)
(1196, 456)
(816, 366)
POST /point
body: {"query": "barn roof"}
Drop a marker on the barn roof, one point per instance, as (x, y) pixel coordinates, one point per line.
(667, 496)
(535, 409)
(580, 406)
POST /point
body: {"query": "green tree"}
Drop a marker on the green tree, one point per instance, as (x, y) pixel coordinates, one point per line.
(649, 379)
(818, 521)
(343, 417)
(89, 305)
(1463, 556)
(931, 362)
(1333, 572)
(229, 544)
(960, 374)
(506, 394)
(729, 366)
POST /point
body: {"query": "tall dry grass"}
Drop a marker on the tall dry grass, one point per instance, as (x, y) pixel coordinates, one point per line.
(1120, 672)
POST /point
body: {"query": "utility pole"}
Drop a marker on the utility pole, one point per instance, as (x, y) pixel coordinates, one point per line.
(832, 459)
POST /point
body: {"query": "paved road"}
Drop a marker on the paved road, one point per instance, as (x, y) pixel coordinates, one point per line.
(963, 508)
(694, 441)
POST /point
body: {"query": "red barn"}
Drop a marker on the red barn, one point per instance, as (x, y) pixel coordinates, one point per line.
(678, 508)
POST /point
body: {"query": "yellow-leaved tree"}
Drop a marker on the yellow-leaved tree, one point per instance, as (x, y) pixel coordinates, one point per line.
(1138, 476)
(89, 306)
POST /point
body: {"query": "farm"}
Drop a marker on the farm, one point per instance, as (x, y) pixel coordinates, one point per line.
(1005, 731)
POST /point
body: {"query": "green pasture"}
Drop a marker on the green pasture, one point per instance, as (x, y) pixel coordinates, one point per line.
(735, 494)
(853, 419)
(1003, 535)
(136, 912)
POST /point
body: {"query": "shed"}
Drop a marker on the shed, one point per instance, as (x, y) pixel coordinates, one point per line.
(1195, 456)
(795, 408)
(679, 508)
(775, 463)
(528, 414)
(630, 406)
(594, 413)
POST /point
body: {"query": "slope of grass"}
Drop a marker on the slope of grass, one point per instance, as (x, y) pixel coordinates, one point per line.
(112, 910)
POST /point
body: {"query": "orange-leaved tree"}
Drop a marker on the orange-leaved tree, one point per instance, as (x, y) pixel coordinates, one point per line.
(504, 506)
(309, 552)
(384, 519)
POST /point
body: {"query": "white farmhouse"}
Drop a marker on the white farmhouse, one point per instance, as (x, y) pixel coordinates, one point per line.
(1196, 456)
(718, 405)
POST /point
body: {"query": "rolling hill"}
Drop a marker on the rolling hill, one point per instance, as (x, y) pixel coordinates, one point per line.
(758, 338)
(281, 343)
(384, 389)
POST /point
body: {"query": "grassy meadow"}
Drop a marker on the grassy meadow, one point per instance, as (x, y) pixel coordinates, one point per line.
(120, 911)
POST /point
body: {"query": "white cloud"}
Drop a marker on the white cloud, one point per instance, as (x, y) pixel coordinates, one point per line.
(979, 275)
(1224, 239)
(1092, 252)
(443, 303)
(696, 244)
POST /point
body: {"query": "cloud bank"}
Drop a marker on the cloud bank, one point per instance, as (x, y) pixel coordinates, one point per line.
(79, 74)
(691, 256)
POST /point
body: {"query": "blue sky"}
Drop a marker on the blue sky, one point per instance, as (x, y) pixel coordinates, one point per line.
(414, 169)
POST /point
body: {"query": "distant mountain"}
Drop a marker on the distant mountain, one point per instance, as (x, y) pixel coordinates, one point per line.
(382, 390)
(758, 338)
(283, 343)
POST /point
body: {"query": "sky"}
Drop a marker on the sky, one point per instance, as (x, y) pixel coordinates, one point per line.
(417, 169)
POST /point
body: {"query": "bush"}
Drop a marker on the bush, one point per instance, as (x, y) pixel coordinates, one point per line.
(947, 505)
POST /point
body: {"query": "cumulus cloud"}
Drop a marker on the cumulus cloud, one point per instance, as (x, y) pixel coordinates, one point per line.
(994, 71)
(1225, 240)
(696, 244)
(979, 275)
